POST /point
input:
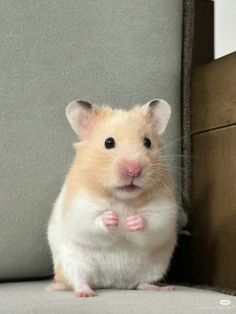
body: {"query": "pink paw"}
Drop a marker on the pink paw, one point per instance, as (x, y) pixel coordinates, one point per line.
(110, 219)
(135, 223)
(85, 293)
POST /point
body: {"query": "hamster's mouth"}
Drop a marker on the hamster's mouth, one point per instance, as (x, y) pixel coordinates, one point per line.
(129, 188)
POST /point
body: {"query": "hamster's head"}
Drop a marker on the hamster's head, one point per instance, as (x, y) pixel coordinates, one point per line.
(120, 152)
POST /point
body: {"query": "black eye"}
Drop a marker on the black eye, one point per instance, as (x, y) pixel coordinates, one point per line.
(146, 142)
(110, 143)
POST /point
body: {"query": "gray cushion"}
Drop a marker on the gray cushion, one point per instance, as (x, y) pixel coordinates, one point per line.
(116, 52)
(32, 297)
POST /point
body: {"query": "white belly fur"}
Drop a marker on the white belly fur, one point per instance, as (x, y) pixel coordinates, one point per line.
(116, 258)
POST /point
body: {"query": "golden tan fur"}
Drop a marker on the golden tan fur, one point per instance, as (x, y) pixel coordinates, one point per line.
(59, 275)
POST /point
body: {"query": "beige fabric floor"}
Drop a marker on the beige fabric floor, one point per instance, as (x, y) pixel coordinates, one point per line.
(32, 297)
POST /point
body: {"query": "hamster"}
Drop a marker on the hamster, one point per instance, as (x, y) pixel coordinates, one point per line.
(114, 223)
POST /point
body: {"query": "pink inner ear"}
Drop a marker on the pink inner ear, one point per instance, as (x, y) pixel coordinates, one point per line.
(159, 122)
(86, 125)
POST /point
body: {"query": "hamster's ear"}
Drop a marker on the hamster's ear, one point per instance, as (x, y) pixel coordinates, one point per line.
(158, 111)
(82, 116)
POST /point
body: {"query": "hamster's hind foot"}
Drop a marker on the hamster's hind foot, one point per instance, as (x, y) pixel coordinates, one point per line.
(85, 292)
(149, 287)
(57, 286)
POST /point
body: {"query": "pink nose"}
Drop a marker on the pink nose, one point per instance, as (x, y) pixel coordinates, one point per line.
(131, 170)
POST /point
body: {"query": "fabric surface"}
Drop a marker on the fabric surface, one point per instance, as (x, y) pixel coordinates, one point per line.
(115, 52)
(188, 33)
(32, 297)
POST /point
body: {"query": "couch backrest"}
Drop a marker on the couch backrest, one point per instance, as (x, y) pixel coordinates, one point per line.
(115, 52)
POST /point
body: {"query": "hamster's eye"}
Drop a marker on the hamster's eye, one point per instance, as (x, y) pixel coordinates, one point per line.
(110, 143)
(146, 142)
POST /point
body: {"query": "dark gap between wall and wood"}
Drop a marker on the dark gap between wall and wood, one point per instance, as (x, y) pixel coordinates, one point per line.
(180, 270)
(203, 44)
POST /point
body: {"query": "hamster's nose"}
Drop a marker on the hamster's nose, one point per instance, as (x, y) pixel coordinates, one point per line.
(132, 170)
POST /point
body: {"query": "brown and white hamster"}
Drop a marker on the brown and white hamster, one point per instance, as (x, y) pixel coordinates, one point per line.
(114, 223)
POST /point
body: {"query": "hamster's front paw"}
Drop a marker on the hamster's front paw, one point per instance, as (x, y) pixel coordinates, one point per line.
(135, 223)
(110, 219)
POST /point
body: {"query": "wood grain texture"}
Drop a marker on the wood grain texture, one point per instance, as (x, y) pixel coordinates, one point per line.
(214, 94)
(214, 215)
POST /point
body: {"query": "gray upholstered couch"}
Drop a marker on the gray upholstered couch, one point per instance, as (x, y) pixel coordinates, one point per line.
(116, 52)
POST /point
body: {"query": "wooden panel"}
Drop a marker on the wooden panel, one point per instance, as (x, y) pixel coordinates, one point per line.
(214, 214)
(214, 94)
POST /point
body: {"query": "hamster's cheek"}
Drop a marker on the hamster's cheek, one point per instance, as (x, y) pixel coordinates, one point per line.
(112, 180)
(108, 173)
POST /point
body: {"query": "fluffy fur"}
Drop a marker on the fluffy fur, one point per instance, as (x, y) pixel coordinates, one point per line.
(87, 254)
